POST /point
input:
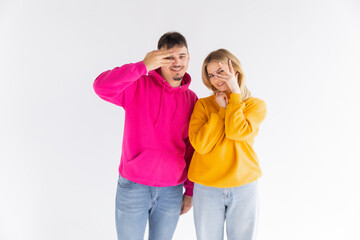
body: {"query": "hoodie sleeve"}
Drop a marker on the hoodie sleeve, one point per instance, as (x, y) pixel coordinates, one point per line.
(242, 120)
(119, 85)
(205, 132)
(189, 186)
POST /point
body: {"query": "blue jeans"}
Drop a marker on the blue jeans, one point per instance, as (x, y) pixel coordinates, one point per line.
(137, 203)
(237, 206)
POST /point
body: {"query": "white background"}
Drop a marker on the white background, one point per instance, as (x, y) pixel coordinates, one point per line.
(61, 144)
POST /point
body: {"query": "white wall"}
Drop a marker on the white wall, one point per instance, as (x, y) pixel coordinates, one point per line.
(61, 144)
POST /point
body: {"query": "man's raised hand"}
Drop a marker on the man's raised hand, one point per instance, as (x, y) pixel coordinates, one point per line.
(158, 58)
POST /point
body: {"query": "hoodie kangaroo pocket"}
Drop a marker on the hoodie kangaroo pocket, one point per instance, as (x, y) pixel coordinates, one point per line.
(157, 167)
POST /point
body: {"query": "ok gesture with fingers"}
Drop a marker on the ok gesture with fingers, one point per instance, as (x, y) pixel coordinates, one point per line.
(228, 76)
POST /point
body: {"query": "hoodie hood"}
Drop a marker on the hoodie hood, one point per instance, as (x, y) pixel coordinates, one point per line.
(185, 82)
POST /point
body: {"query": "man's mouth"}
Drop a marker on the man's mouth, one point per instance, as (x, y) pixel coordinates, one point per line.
(176, 69)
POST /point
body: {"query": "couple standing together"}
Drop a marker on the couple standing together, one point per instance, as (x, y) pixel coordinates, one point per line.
(172, 139)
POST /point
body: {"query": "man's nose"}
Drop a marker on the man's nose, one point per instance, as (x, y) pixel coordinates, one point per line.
(176, 61)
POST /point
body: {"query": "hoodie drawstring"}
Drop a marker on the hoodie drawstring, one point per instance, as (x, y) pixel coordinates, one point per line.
(160, 105)
(177, 104)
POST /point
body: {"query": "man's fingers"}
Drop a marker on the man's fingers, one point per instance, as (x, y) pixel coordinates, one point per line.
(184, 209)
(166, 57)
(186, 204)
(166, 62)
(154, 51)
(161, 53)
(164, 53)
(165, 50)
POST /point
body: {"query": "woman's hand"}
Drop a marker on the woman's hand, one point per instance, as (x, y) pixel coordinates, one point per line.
(221, 99)
(229, 77)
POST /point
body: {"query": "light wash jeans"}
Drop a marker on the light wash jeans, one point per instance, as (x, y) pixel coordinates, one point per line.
(137, 203)
(237, 206)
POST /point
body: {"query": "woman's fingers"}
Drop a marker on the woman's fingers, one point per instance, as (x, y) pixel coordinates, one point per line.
(231, 67)
(219, 76)
(222, 78)
(226, 71)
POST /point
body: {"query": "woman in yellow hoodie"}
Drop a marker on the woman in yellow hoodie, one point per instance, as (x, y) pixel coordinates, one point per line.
(224, 167)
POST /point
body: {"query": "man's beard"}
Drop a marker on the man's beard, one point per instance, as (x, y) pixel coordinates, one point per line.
(178, 78)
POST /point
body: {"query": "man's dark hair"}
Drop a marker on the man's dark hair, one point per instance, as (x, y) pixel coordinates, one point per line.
(172, 39)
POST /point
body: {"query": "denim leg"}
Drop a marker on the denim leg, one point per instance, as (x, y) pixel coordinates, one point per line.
(133, 202)
(209, 212)
(165, 211)
(242, 212)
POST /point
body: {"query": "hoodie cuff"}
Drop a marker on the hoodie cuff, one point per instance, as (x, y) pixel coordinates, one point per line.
(189, 187)
(235, 98)
(142, 67)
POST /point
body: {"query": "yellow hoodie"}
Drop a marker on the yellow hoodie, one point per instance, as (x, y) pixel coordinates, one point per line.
(223, 141)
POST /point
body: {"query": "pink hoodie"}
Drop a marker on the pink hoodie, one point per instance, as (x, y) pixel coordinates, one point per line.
(156, 150)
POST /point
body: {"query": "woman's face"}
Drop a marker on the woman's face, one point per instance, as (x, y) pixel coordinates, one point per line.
(214, 67)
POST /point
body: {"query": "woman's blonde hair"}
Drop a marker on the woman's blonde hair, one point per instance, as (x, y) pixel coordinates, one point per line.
(223, 55)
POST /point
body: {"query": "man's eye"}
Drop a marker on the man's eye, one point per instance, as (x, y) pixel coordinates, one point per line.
(181, 57)
(169, 58)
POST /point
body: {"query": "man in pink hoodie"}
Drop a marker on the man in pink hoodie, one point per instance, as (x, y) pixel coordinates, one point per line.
(156, 151)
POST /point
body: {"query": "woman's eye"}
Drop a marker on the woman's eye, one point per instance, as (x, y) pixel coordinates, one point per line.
(220, 71)
(210, 76)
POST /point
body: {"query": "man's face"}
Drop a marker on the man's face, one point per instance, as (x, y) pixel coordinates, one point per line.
(176, 70)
